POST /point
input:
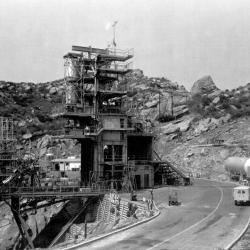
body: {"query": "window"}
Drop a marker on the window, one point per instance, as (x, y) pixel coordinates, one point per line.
(57, 167)
(118, 152)
(108, 152)
(122, 136)
(113, 152)
(121, 123)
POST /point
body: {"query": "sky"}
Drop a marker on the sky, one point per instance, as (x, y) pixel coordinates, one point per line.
(182, 40)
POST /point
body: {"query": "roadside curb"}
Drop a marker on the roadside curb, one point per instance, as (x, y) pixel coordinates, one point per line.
(228, 247)
(85, 243)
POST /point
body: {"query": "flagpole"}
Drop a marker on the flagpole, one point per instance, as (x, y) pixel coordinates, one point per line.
(114, 42)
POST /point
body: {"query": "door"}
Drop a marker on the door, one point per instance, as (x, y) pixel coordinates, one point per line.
(146, 180)
(138, 181)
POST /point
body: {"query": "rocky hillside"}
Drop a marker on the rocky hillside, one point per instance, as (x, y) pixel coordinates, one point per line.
(156, 99)
(31, 105)
(209, 101)
(215, 117)
(179, 118)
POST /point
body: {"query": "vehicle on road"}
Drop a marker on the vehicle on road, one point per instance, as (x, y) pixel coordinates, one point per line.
(241, 195)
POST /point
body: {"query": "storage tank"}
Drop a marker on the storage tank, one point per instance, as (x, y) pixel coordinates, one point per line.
(238, 165)
(72, 68)
(70, 94)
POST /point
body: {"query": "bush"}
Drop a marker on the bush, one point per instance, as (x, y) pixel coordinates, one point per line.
(112, 210)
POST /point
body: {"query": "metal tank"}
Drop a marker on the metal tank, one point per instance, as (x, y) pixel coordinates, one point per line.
(72, 68)
(70, 94)
(238, 165)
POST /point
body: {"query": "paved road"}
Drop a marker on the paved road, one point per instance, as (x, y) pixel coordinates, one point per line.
(207, 219)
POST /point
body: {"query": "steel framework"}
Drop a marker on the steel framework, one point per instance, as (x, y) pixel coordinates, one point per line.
(8, 156)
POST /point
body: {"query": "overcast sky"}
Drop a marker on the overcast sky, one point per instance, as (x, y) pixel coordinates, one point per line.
(182, 40)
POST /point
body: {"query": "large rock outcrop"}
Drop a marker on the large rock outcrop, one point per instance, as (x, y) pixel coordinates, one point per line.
(204, 85)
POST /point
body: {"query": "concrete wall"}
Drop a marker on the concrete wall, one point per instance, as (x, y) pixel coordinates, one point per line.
(114, 122)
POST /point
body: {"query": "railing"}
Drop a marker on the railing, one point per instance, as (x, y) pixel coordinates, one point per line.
(53, 190)
(112, 110)
(78, 131)
(113, 87)
(139, 157)
(110, 158)
(117, 67)
(73, 108)
(121, 53)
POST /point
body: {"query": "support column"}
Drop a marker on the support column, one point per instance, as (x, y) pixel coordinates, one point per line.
(23, 227)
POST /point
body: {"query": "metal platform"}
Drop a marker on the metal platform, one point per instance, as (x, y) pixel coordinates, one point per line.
(66, 192)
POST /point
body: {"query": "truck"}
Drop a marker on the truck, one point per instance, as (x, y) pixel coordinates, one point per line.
(241, 195)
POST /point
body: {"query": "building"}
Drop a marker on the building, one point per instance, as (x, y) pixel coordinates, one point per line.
(66, 168)
(116, 149)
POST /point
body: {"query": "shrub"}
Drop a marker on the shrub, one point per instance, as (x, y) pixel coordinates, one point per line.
(112, 210)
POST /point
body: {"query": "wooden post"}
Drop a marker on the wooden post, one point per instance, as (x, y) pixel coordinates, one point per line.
(85, 229)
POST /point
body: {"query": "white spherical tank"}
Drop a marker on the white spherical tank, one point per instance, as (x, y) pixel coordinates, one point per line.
(238, 165)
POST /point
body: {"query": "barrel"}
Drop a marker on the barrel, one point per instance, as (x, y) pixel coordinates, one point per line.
(238, 165)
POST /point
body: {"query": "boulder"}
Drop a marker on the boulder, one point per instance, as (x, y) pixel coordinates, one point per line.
(204, 85)
(171, 137)
(43, 142)
(137, 72)
(206, 124)
(189, 154)
(214, 94)
(170, 129)
(216, 100)
(52, 91)
(21, 123)
(185, 125)
(151, 104)
(180, 110)
(202, 126)
(225, 119)
(27, 136)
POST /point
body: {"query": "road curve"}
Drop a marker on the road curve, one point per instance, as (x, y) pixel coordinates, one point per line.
(207, 219)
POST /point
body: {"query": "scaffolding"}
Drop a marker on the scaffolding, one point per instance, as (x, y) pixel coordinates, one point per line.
(7, 147)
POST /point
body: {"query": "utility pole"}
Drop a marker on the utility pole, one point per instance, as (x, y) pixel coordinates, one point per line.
(159, 104)
(172, 104)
